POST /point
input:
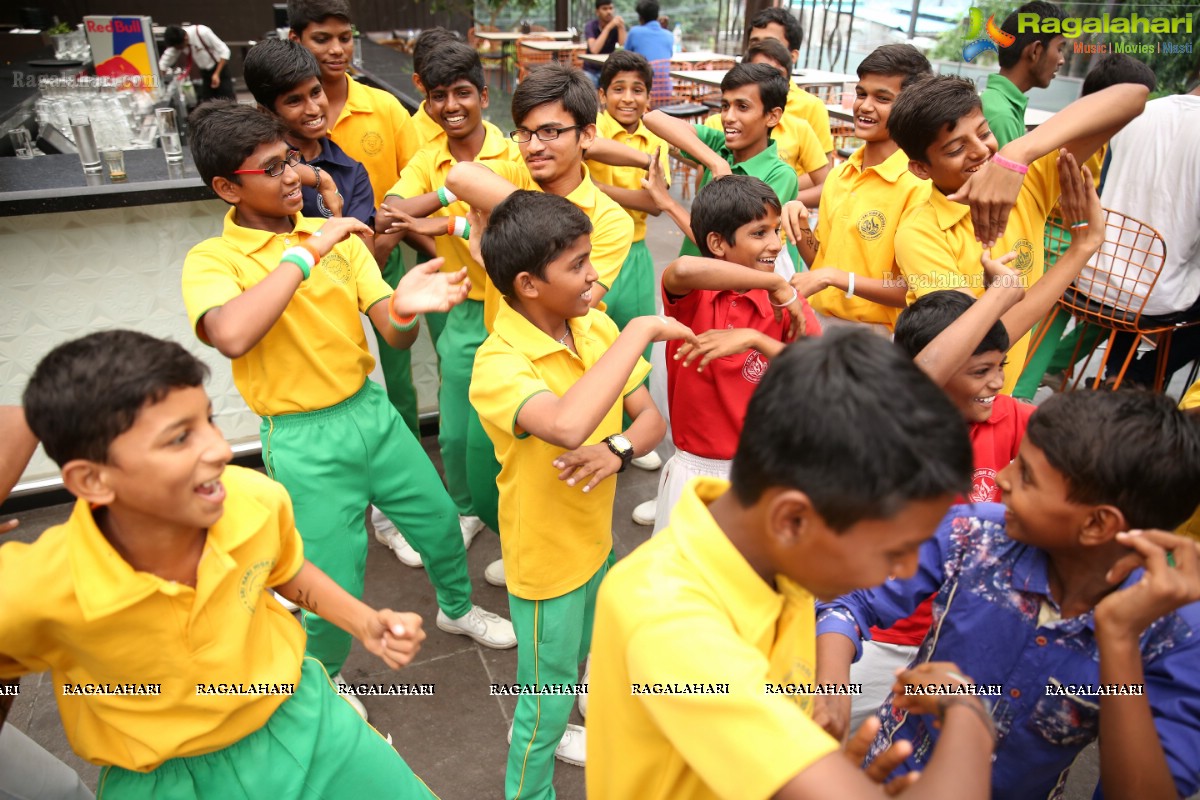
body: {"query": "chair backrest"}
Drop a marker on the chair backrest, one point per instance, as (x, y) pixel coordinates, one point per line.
(1122, 273)
(528, 57)
(662, 91)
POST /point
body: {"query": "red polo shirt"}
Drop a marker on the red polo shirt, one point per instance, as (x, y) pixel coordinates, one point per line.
(995, 443)
(708, 408)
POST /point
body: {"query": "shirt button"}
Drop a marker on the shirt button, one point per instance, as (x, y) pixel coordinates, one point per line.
(1041, 641)
(733, 304)
(1015, 692)
(287, 240)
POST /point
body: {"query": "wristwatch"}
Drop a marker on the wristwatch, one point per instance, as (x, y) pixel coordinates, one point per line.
(621, 447)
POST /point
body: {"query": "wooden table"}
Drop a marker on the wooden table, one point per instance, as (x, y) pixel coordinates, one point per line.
(550, 46)
(512, 36)
(698, 57)
(811, 77)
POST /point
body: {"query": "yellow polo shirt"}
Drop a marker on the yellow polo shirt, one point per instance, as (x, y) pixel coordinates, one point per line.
(1191, 400)
(612, 228)
(629, 177)
(375, 129)
(802, 105)
(315, 355)
(860, 210)
(69, 603)
(426, 131)
(427, 171)
(553, 537)
(936, 247)
(683, 610)
(795, 142)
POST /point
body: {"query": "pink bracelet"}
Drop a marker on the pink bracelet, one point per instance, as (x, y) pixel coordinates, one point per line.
(1001, 161)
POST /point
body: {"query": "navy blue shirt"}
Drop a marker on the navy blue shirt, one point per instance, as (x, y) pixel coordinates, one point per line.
(592, 31)
(358, 198)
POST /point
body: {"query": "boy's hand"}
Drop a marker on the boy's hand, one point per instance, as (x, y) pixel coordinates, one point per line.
(9, 524)
(336, 230)
(330, 196)
(1171, 580)
(832, 713)
(786, 293)
(594, 460)
(715, 344)
(666, 329)
(394, 636)
(997, 273)
(991, 193)
(1080, 204)
(941, 673)
(478, 222)
(424, 288)
(402, 223)
(655, 183)
(795, 221)
(860, 744)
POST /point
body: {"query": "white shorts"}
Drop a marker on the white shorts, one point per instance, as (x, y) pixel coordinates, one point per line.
(679, 469)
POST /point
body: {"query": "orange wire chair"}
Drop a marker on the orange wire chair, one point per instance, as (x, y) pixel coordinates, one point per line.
(529, 57)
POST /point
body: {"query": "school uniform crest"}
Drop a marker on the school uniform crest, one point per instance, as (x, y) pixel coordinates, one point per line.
(1024, 262)
(372, 143)
(337, 268)
(755, 366)
(871, 225)
(250, 588)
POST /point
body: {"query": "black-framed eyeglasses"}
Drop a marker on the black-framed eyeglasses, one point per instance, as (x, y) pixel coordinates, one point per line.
(276, 169)
(521, 136)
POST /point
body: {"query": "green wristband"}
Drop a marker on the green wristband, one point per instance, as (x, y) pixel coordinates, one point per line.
(291, 258)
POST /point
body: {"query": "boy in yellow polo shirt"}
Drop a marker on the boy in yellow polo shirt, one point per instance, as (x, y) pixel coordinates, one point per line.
(704, 658)
(863, 201)
(456, 98)
(550, 384)
(175, 669)
(939, 124)
(291, 326)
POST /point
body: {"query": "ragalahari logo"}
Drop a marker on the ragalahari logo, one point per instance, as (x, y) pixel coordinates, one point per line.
(994, 40)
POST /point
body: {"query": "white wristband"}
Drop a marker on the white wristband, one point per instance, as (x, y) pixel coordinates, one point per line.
(460, 227)
(302, 253)
(849, 284)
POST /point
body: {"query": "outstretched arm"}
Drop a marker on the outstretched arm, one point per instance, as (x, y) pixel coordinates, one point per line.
(481, 188)
(681, 134)
(423, 289)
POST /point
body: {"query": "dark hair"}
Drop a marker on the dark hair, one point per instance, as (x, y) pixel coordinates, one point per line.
(728, 203)
(772, 87)
(1132, 449)
(427, 44)
(1113, 68)
(772, 49)
(602, 3)
(1008, 57)
(527, 231)
(174, 36)
(791, 26)
(224, 133)
(647, 11)
(920, 323)
(547, 83)
(626, 61)
(302, 13)
(276, 66)
(928, 107)
(896, 59)
(899, 439)
(455, 61)
(87, 392)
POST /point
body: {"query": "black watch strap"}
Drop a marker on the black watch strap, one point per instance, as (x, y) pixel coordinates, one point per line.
(626, 455)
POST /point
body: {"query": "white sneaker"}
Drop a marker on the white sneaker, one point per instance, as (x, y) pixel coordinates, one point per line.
(470, 527)
(644, 513)
(486, 628)
(386, 533)
(583, 698)
(288, 605)
(350, 698)
(649, 462)
(494, 574)
(572, 748)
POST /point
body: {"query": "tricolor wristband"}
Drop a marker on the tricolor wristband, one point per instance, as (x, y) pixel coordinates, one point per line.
(1001, 161)
(445, 196)
(400, 323)
(301, 258)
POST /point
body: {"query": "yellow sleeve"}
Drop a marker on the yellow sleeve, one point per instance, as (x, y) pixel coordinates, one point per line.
(1041, 187)
(752, 743)
(416, 177)
(371, 286)
(502, 381)
(1192, 398)
(513, 172)
(809, 153)
(810, 108)
(211, 278)
(407, 144)
(291, 546)
(612, 236)
(19, 639)
(924, 256)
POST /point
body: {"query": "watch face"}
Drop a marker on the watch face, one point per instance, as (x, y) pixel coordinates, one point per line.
(621, 442)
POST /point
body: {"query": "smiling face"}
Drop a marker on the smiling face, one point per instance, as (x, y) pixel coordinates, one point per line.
(165, 470)
(458, 108)
(957, 152)
(873, 98)
(626, 99)
(263, 201)
(566, 291)
(973, 388)
(558, 162)
(755, 245)
(1038, 511)
(304, 109)
(332, 42)
(746, 123)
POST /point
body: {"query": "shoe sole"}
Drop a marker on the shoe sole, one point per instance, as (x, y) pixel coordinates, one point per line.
(570, 761)
(642, 521)
(490, 582)
(655, 468)
(474, 638)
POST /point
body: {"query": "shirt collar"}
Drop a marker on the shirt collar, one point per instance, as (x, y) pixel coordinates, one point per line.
(754, 605)
(524, 336)
(356, 98)
(495, 145)
(250, 240)
(584, 196)
(751, 166)
(106, 583)
(1031, 574)
(947, 211)
(332, 154)
(611, 129)
(1008, 90)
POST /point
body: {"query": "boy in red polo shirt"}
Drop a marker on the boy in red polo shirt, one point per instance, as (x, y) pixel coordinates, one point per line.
(743, 313)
